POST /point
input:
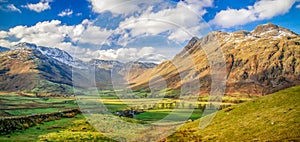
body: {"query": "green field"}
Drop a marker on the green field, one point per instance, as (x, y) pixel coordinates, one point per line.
(13, 104)
(155, 115)
(265, 118)
(273, 117)
(66, 129)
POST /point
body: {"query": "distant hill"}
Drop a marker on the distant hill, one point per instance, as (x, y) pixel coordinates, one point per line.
(270, 118)
(258, 62)
(128, 70)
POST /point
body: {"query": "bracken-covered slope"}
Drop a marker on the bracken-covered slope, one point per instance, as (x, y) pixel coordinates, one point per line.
(259, 62)
(25, 69)
(269, 118)
(43, 70)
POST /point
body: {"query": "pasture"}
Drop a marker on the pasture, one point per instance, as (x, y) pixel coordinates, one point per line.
(153, 110)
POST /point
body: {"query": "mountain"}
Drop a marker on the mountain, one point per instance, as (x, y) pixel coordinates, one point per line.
(258, 62)
(53, 53)
(26, 69)
(127, 70)
(44, 70)
(269, 118)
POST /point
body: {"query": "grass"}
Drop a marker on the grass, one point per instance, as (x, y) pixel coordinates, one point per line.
(32, 111)
(273, 117)
(270, 118)
(14, 104)
(66, 129)
(155, 115)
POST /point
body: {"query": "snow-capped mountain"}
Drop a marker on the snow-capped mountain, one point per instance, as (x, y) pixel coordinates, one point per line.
(113, 64)
(107, 64)
(55, 53)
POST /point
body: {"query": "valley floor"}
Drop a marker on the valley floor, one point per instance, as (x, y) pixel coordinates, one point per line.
(272, 117)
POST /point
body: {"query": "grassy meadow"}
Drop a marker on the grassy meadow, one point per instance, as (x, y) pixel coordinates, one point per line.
(242, 118)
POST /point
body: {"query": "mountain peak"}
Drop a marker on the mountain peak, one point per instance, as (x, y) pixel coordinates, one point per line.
(55, 53)
(193, 40)
(265, 27)
(271, 29)
(25, 45)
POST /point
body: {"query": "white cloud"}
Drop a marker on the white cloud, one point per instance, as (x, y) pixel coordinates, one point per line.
(128, 54)
(180, 22)
(48, 33)
(66, 12)
(3, 34)
(53, 34)
(39, 7)
(86, 32)
(12, 7)
(261, 10)
(124, 7)
(173, 21)
(298, 6)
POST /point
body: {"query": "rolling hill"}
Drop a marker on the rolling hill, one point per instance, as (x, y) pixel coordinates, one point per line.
(274, 117)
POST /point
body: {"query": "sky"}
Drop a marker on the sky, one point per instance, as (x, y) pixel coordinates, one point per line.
(129, 30)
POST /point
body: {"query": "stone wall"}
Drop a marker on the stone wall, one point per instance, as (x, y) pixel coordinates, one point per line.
(11, 124)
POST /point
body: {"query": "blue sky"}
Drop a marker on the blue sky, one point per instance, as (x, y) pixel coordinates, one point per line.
(128, 30)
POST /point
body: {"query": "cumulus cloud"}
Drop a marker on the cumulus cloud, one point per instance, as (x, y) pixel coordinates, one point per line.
(180, 23)
(66, 12)
(298, 6)
(54, 34)
(177, 22)
(145, 54)
(12, 7)
(39, 7)
(86, 32)
(261, 10)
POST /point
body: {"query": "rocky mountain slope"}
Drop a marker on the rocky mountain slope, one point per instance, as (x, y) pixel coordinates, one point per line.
(37, 69)
(47, 70)
(258, 62)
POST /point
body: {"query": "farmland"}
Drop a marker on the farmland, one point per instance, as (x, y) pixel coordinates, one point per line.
(78, 127)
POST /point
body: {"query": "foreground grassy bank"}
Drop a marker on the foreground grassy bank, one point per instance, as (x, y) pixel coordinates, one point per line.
(270, 118)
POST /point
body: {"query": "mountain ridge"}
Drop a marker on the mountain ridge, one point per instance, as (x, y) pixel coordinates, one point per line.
(258, 62)
(27, 67)
(256, 65)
